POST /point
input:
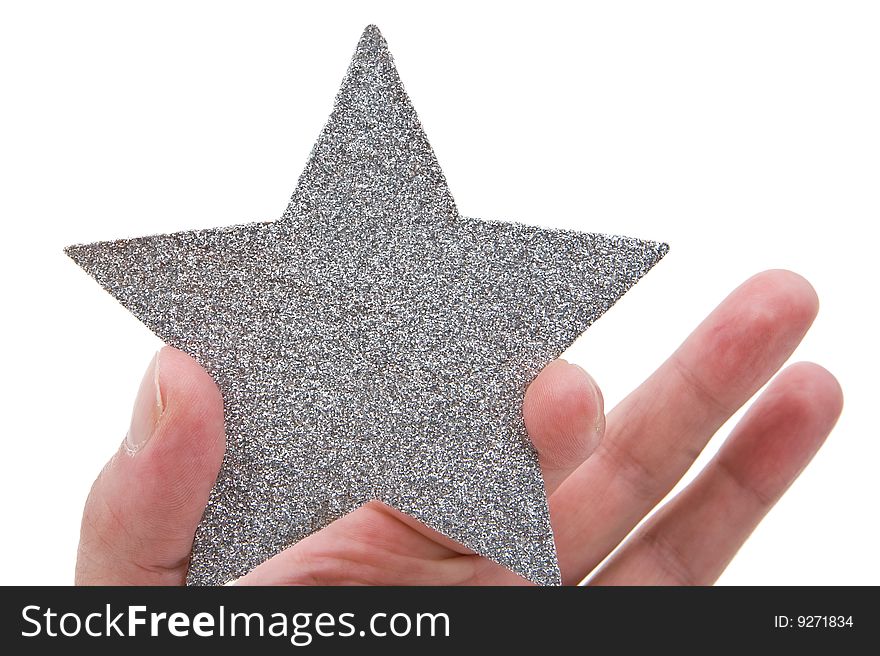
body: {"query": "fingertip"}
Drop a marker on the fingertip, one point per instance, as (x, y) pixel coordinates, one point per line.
(193, 404)
(564, 414)
(182, 459)
(814, 390)
(784, 428)
(749, 336)
(583, 397)
(786, 292)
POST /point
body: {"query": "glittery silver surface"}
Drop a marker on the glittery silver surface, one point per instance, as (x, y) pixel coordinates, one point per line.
(373, 343)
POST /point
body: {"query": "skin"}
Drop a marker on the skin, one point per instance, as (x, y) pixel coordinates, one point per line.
(603, 474)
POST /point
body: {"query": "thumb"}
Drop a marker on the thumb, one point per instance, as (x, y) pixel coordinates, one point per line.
(142, 511)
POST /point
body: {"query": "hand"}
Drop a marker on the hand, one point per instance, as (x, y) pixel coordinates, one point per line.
(603, 475)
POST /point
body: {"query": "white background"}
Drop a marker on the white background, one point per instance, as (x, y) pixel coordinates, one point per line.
(746, 135)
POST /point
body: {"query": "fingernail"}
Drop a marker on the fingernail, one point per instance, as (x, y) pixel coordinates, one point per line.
(598, 401)
(148, 407)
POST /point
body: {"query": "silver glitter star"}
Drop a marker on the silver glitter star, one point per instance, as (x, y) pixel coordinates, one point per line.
(372, 343)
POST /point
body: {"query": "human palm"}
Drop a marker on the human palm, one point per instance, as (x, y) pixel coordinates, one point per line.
(603, 475)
